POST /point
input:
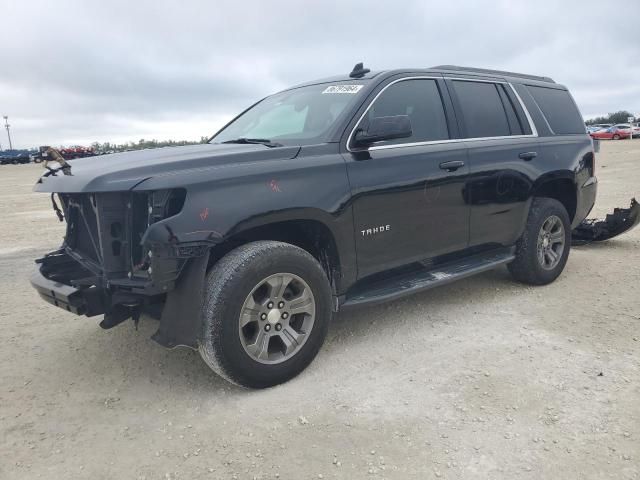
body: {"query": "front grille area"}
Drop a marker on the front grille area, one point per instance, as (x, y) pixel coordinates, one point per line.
(105, 230)
(97, 230)
(82, 227)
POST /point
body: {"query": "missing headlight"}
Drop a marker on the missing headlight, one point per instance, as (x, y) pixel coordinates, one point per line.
(148, 208)
(165, 203)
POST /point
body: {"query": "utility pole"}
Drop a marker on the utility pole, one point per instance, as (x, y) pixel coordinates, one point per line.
(6, 125)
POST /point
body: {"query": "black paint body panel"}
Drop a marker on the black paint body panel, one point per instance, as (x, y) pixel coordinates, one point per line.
(429, 211)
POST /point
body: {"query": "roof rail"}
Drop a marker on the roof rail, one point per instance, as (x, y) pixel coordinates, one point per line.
(493, 72)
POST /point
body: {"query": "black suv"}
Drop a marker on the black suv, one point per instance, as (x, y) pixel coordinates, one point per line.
(337, 193)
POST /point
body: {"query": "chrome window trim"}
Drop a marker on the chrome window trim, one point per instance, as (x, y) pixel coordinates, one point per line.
(532, 126)
(533, 134)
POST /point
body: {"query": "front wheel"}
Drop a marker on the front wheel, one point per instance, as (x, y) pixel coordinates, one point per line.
(543, 249)
(616, 137)
(265, 314)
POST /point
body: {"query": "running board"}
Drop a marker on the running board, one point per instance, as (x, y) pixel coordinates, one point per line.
(425, 278)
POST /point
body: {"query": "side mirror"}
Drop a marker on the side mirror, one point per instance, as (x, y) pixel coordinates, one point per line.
(384, 128)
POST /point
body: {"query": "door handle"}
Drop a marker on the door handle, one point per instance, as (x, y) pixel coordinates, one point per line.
(452, 166)
(528, 155)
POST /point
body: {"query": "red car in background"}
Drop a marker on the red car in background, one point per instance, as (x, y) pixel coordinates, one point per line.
(612, 133)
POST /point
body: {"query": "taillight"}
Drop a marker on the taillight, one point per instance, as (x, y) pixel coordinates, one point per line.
(595, 149)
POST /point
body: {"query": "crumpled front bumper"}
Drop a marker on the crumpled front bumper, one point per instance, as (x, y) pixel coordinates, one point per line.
(81, 302)
(620, 221)
(63, 282)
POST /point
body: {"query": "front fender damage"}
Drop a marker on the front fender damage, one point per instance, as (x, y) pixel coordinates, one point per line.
(620, 221)
(180, 319)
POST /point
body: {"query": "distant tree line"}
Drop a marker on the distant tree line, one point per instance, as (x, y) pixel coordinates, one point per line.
(616, 117)
(143, 144)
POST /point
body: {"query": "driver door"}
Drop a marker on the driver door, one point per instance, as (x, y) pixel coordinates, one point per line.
(409, 194)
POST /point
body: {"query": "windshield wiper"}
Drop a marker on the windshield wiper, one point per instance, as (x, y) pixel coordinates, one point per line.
(263, 141)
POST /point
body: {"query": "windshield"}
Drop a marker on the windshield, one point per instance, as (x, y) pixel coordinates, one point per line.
(302, 116)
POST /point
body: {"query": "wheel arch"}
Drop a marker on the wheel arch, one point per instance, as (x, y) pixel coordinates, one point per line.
(180, 318)
(312, 235)
(561, 187)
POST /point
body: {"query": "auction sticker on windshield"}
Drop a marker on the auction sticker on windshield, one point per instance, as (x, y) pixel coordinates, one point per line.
(342, 89)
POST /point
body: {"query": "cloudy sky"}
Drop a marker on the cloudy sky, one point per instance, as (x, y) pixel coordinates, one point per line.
(81, 71)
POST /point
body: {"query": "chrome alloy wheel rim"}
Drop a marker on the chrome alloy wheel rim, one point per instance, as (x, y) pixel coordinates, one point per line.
(277, 318)
(550, 243)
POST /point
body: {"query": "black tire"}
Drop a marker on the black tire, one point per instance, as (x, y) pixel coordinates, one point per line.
(527, 266)
(228, 285)
(616, 137)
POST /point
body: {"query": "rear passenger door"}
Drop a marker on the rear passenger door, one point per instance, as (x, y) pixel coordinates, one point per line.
(407, 204)
(502, 142)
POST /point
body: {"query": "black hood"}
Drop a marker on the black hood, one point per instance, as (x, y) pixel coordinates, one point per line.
(123, 171)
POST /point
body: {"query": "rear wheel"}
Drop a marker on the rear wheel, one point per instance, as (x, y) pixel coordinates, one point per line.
(265, 315)
(543, 249)
(616, 137)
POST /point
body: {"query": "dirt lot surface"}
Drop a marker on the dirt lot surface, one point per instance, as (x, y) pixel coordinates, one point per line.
(480, 379)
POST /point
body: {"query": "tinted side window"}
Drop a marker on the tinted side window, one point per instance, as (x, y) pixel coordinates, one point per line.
(421, 101)
(482, 109)
(559, 109)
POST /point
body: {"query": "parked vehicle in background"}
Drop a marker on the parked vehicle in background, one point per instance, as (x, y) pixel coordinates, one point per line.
(333, 194)
(68, 153)
(598, 126)
(633, 128)
(612, 133)
(14, 156)
(625, 127)
(77, 151)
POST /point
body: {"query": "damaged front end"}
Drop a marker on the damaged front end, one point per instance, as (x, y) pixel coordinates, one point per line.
(107, 265)
(620, 221)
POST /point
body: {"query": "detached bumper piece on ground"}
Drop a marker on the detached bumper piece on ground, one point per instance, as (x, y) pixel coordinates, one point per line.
(594, 230)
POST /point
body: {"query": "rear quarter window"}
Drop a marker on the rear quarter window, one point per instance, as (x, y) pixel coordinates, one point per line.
(559, 109)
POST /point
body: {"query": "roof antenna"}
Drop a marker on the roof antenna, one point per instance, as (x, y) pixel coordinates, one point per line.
(359, 71)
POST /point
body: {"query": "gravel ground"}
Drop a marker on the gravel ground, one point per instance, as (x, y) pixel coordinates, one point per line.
(480, 379)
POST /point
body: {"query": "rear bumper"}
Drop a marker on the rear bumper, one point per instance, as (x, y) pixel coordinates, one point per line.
(620, 221)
